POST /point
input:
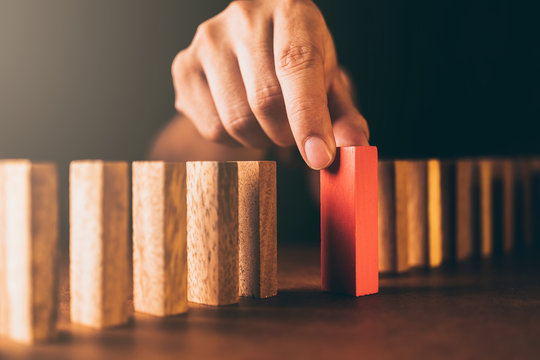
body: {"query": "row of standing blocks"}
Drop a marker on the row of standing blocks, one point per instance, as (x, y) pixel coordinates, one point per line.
(433, 212)
(203, 232)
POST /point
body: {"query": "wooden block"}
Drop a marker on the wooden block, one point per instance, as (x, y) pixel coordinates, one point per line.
(28, 250)
(212, 223)
(466, 205)
(159, 238)
(387, 252)
(529, 199)
(401, 171)
(498, 205)
(523, 205)
(99, 252)
(441, 211)
(393, 216)
(3, 285)
(504, 177)
(257, 228)
(416, 195)
(485, 168)
(349, 259)
(434, 213)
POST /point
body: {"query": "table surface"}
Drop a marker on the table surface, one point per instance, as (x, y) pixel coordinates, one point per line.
(472, 311)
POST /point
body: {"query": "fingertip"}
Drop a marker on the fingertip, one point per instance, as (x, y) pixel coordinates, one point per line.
(318, 153)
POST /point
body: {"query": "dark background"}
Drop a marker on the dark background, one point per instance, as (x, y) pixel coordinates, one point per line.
(443, 78)
(91, 79)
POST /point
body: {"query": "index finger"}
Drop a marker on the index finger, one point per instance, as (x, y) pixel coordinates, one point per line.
(299, 62)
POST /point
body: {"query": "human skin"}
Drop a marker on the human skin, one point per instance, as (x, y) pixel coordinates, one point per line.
(261, 73)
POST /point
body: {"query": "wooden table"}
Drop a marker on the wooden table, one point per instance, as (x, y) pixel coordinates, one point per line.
(488, 311)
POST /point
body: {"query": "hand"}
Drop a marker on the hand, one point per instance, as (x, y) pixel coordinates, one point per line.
(265, 72)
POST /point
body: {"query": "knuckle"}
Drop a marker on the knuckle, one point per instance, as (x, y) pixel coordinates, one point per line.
(178, 104)
(240, 21)
(205, 32)
(297, 57)
(266, 99)
(238, 7)
(182, 100)
(208, 40)
(201, 32)
(178, 64)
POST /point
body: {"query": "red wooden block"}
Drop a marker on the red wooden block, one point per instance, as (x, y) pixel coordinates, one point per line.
(349, 251)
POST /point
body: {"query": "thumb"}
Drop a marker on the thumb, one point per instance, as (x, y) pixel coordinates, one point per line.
(349, 126)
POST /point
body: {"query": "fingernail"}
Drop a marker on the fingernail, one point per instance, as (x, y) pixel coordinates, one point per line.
(318, 153)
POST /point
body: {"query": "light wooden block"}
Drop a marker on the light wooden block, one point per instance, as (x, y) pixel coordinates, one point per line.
(466, 181)
(441, 213)
(523, 204)
(3, 285)
(403, 202)
(417, 227)
(28, 250)
(401, 190)
(504, 176)
(4, 319)
(434, 213)
(212, 223)
(257, 228)
(99, 252)
(485, 168)
(159, 238)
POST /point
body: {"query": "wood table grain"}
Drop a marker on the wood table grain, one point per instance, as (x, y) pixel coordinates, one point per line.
(474, 311)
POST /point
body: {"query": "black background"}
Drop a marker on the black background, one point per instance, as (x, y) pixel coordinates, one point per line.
(443, 78)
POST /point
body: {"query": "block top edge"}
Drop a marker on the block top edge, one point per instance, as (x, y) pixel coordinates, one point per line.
(98, 162)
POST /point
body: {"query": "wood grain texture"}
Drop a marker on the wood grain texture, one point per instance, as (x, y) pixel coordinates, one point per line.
(488, 313)
(212, 223)
(386, 217)
(417, 225)
(159, 238)
(403, 221)
(485, 168)
(3, 279)
(434, 212)
(402, 215)
(504, 175)
(349, 253)
(466, 178)
(257, 211)
(99, 253)
(523, 204)
(528, 181)
(441, 211)
(28, 250)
